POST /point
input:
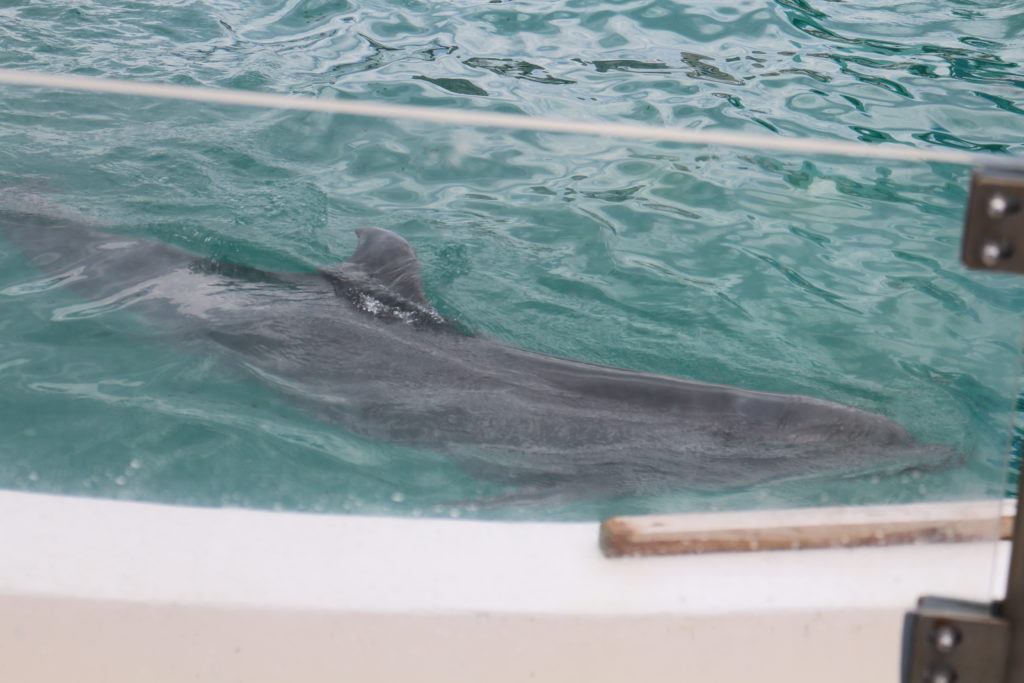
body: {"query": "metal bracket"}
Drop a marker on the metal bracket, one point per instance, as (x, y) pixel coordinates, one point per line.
(994, 226)
(950, 641)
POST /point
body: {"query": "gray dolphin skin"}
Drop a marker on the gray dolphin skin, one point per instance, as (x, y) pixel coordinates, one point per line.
(359, 344)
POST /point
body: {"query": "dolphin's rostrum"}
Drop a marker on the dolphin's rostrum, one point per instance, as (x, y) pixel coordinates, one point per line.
(359, 344)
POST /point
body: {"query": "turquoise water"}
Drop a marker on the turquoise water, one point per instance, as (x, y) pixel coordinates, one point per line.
(814, 275)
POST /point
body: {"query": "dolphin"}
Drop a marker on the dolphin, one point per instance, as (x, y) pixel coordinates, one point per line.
(360, 345)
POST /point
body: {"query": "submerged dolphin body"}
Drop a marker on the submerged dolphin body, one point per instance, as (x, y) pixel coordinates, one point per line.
(359, 344)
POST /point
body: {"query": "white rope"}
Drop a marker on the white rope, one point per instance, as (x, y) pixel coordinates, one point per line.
(513, 121)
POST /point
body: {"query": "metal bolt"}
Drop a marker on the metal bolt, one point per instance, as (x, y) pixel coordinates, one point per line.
(946, 638)
(993, 252)
(941, 675)
(1000, 206)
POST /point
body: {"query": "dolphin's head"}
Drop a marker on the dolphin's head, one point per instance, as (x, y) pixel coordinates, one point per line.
(805, 420)
(813, 437)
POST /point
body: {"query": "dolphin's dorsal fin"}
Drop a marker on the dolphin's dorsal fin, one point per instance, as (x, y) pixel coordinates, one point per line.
(385, 259)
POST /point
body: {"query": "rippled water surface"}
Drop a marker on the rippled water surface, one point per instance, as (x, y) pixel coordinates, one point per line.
(822, 276)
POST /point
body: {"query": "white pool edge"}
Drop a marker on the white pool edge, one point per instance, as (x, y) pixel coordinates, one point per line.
(136, 591)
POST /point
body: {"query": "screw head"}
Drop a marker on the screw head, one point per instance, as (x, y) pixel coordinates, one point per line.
(1000, 205)
(941, 675)
(992, 252)
(946, 638)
